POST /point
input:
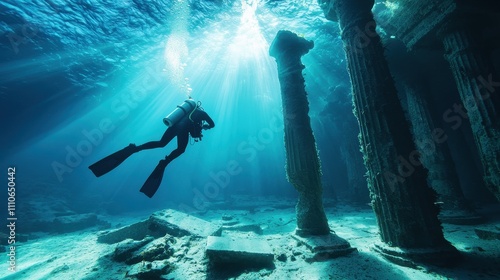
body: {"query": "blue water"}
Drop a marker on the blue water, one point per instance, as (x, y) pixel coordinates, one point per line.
(84, 79)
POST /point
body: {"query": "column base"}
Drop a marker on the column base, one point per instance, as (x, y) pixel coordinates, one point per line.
(441, 256)
(324, 247)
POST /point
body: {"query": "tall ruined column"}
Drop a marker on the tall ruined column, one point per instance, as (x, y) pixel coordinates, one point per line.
(402, 200)
(435, 156)
(479, 92)
(302, 161)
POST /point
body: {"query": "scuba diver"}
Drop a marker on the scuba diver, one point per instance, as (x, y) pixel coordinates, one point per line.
(187, 119)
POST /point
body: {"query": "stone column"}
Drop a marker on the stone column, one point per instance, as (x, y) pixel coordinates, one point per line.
(346, 131)
(302, 161)
(356, 171)
(402, 200)
(479, 90)
(435, 156)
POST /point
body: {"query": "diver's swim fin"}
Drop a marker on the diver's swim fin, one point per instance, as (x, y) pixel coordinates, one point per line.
(112, 161)
(154, 180)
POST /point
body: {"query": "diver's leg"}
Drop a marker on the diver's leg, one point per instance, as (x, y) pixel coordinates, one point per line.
(154, 180)
(182, 142)
(165, 139)
(112, 161)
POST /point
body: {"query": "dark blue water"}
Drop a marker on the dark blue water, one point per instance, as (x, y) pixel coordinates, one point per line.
(83, 79)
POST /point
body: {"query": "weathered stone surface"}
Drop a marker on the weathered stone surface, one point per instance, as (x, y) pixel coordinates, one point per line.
(135, 231)
(476, 78)
(251, 252)
(445, 255)
(442, 176)
(417, 29)
(170, 222)
(463, 28)
(177, 224)
(158, 249)
(325, 246)
(244, 227)
(303, 169)
(402, 201)
(149, 270)
(125, 249)
(488, 234)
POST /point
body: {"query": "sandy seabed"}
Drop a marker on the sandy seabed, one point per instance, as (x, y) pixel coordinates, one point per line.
(78, 255)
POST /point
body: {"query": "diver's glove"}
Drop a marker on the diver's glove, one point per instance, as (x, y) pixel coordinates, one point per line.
(206, 126)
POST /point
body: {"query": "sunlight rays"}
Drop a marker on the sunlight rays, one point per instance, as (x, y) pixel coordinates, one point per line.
(228, 68)
(176, 49)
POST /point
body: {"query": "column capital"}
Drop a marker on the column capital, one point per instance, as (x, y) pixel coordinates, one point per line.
(287, 43)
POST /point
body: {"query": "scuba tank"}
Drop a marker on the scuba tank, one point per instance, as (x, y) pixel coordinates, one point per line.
(187, 107)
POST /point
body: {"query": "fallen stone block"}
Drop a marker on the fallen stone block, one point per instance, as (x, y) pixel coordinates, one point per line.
(135, 231)
(158, 249)
(170, 222)
(125, 249)
(179, 224)
(149, 270)
(325, 246)
(487, 234)
(246, 252)
(244, 227)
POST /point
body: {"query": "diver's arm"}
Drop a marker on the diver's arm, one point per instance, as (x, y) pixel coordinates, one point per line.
(209, 120)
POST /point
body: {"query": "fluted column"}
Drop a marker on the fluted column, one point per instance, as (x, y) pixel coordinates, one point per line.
(435, 156)
(479, 90)
(302, 161)
(356, 171)
(401, 198)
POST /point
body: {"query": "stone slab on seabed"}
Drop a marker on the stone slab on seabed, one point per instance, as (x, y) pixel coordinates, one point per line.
(177, 224)
(160, 223)
(247, 251)
(325, 246)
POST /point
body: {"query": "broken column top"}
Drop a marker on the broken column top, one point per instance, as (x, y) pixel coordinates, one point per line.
(289, 43)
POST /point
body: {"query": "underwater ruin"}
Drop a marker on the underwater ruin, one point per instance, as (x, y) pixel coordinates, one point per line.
(278, 139)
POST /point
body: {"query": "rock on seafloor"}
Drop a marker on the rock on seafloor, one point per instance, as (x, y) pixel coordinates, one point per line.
(251, 252)
(169, 221)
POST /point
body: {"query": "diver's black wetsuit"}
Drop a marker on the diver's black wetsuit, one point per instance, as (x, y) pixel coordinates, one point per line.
(182, 129)
(190, 124)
